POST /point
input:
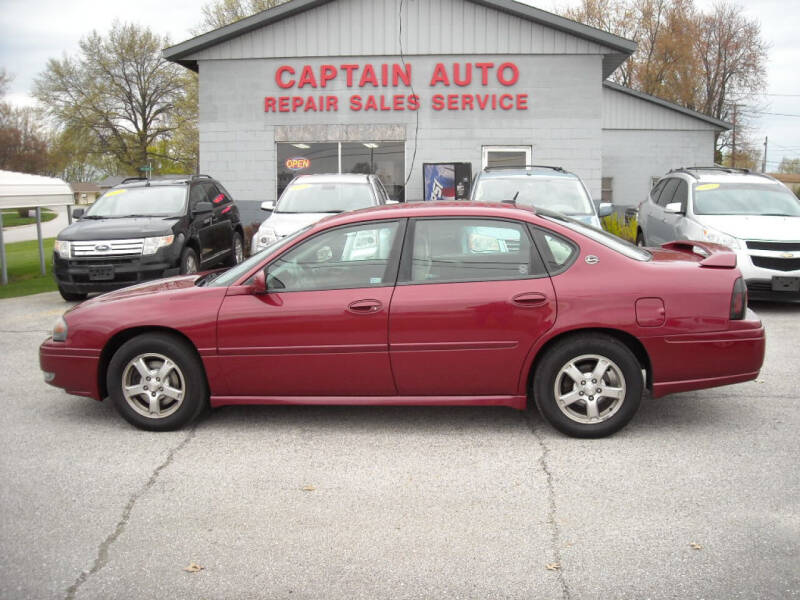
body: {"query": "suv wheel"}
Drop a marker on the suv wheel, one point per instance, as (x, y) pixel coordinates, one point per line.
(237, 250)
(189, 261)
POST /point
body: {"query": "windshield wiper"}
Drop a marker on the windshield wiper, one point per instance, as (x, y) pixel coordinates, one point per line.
(93, 217)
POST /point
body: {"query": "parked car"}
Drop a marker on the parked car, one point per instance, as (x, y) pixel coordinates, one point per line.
(550, 188)
(421, 304)
(753, 214)
(309, 198)
(142, 230)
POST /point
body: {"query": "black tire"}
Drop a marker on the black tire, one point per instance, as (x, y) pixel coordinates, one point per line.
(237, 250)
(185, 374)
(586, 413)
(189, 262)
(71, 296)
(640, 239)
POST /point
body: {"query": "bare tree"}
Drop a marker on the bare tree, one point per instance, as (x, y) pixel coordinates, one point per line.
(224, 12)
(119, 92)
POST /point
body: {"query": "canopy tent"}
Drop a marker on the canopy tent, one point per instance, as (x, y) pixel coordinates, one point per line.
(20, 190)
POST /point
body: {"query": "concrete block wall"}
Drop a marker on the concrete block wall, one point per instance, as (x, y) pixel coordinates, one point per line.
(634, 157)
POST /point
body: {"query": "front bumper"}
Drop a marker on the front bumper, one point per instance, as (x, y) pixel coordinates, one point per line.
(72, 369)
(79, 275)
(770, 274)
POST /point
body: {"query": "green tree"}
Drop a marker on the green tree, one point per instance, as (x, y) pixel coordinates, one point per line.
(118, 96)
(23, 142)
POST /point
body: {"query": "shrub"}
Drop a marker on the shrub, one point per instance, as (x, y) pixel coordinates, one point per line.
(621, 227)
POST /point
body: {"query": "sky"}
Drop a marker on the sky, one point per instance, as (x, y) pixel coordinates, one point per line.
(31, 31)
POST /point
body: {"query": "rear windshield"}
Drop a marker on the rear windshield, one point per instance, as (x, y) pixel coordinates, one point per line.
(563, 195)
(325, 198)
(745, 199)
(155, 201)
(608, 240)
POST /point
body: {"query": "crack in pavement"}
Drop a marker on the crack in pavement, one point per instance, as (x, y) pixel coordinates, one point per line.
(26, 330)
(103, 549)
(555, 532)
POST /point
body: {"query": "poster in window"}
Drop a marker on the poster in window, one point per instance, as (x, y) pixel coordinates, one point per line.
(446, 181)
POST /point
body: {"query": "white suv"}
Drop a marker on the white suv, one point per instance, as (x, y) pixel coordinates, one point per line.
(753, 214)
(309, 198)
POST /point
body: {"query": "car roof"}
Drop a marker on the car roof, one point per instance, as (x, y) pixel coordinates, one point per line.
(332, 178)
(723, 175)
(432, 209)
(534, 171)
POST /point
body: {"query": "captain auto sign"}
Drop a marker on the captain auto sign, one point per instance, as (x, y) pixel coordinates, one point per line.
(304, 83)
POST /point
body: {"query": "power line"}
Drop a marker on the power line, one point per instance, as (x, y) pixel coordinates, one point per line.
(758, 112)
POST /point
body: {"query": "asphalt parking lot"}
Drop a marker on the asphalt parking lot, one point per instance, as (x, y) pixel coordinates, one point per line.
(699, 497)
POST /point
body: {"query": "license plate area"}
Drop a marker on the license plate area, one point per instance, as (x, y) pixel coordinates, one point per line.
(101, 273)
(785, 284)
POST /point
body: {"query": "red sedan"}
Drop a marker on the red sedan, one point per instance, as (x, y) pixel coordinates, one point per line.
(443, 304)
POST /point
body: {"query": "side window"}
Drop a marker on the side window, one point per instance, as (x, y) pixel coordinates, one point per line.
(198, 194)
(669, 192)
(348, 257)
(656, 191)
(681, 194)
(557, 252)
(451, 250)
(215, 196)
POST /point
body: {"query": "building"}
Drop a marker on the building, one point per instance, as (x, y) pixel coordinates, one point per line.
(85, 193)
(390, 86)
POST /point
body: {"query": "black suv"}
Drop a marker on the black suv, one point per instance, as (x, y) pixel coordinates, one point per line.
(141, 230)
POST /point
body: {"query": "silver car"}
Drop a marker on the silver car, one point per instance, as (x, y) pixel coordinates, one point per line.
(309, 198)
(753, 214)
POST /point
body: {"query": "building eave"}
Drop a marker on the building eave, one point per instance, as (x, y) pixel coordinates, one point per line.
(722, 125)
(619, 48)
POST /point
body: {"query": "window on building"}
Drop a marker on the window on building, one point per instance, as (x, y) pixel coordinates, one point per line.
(607, 190)
(384, 159)
(506, 156)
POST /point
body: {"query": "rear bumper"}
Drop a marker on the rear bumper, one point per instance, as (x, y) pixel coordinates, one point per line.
(702, 360)
(72, 369)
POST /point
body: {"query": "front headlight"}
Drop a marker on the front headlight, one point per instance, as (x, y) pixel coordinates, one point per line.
(61, 247)
(712, 235)
(60, 330)
(152, 244)
(265, 237)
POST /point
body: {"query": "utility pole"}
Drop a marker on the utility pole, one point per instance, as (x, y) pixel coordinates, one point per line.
(733, 153)
(764, 160)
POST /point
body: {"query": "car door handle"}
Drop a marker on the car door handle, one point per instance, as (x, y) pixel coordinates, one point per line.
(364, 307)
(529, 299)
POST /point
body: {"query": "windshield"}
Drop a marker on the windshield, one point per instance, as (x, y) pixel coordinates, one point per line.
(562, 195)
(745, 199)
(608, 240)
(325, 198)
(151, 201)
(231, 275)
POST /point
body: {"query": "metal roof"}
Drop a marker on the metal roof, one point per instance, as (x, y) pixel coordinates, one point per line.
(670, 105)
(619, 48)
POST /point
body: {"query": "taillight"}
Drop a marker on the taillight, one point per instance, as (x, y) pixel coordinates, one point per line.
(738, 300)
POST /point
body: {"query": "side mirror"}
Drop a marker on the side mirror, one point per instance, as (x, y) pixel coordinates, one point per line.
(605, 209)
(78, 213)
(674, 208)
(203, 207)
(268, 205)
(259, 285)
